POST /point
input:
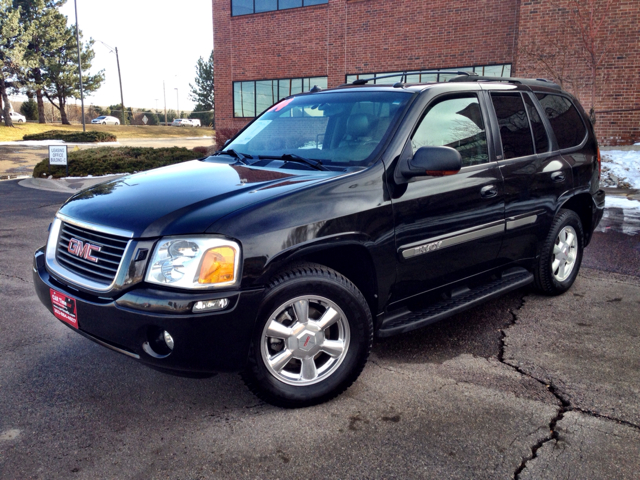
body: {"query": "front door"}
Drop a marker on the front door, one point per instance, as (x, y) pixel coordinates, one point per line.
(449, 228)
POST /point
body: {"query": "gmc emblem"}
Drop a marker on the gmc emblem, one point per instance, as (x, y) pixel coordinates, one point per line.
(83, 250)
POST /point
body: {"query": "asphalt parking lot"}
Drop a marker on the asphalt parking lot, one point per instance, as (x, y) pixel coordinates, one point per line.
(525, 386)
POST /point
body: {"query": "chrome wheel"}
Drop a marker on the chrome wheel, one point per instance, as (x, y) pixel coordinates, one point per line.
(305, 340)
(565, 252)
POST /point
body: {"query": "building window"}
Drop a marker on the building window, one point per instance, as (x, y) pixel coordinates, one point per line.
(252, 98)
(246, 7)
(442, 75)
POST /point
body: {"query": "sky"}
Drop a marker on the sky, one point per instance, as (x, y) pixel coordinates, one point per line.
(157, 40)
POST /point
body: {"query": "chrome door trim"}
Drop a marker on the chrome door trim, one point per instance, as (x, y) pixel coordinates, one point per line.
(522, 220)
(449, 240)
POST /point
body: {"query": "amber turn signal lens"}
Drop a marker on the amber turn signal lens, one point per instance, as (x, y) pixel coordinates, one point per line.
(217, 265)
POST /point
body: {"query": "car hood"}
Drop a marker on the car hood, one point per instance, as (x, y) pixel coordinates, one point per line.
(185, 198)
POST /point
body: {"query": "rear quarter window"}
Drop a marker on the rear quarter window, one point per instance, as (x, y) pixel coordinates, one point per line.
(565, 120)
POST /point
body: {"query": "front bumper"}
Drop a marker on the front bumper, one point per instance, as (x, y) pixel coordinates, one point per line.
(204, 343)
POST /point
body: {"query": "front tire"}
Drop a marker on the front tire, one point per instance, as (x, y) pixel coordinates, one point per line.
(560, 254)
(312, 338)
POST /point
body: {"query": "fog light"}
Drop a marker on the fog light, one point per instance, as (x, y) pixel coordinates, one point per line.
(210, 305)
(168, 339)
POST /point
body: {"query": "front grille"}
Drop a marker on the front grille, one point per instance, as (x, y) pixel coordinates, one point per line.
(112, 249)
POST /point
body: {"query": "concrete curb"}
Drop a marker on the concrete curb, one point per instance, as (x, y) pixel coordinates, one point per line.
(66, 185)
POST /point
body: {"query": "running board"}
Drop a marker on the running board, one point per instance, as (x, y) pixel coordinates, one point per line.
(511, 279)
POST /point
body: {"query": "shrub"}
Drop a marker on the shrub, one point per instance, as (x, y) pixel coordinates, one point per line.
(29, 109)
(108, 160)
(73, 137)
(222, 135)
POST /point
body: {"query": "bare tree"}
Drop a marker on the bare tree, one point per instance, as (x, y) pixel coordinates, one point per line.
(583, 35)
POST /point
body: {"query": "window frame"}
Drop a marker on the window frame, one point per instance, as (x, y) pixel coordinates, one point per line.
(550, 131)
(496, 125)
(478, 94)
(255, 91)
(277, 9)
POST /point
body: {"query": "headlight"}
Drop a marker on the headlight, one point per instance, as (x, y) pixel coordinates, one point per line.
(194, 262)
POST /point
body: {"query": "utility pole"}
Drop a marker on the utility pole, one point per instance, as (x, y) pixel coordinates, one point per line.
(75, 4)
(164, 93)
(124, 122)
(177, 102)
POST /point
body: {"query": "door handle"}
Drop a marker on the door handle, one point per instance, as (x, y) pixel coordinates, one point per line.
(557, 177)
(489, 191)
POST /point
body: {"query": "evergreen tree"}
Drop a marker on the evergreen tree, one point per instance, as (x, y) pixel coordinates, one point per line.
(30, 109)
(203, 92)
(13, 43)
(49, 28)
(61, 79)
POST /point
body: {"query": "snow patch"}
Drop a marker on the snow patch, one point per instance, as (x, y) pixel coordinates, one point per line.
(621, 169)
(611, 201)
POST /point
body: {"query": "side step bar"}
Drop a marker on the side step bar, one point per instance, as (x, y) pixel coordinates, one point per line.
(511, 279)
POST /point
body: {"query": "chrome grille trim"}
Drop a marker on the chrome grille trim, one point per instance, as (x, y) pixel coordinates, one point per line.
(61, 264)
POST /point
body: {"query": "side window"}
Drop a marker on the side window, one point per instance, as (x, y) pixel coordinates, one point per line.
(456, 123)
(539, 132)
(515, 131)
(565, 120)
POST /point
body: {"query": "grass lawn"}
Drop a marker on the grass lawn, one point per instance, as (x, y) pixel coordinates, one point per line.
(8, 134)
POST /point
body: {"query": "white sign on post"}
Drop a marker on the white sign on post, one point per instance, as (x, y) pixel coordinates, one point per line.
(57, 154)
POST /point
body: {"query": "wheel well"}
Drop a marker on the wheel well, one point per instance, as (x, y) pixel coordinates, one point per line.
(355, 263)
(582, 204)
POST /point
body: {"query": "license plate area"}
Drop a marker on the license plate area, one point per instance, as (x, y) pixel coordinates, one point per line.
(64, 308)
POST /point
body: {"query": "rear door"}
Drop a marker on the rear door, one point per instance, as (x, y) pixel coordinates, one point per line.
(448, 228)
(535, 174)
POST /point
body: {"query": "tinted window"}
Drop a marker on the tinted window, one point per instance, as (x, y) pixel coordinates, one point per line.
(290, 4)
(515, 131)
(266, 5)
(456, 123)
(241, 7)
(565, 120)
(539, 132)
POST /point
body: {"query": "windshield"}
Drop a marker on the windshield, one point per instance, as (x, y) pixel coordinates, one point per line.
(341, 129)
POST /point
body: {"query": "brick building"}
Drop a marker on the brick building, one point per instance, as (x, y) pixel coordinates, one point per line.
(268, 49)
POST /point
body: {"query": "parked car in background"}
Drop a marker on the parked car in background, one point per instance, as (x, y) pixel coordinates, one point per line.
(18, 118)
(195, 122)
(106, 120)
(185, 122)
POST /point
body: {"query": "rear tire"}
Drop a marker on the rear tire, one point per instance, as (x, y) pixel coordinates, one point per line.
(312, 338)
(560, 254)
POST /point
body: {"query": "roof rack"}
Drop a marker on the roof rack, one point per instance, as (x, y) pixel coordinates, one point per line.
(536, 82)
(406, 73)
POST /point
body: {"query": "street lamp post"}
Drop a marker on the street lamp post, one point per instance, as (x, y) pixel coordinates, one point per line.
(177, 102)
(75, 4)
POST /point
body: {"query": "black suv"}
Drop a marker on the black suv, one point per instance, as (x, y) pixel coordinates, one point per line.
(334, 216)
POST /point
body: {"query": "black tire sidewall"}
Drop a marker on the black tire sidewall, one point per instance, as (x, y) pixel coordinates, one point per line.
(545, 279)
(357, 313)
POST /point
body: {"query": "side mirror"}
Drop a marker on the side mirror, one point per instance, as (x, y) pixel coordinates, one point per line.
(434, 162)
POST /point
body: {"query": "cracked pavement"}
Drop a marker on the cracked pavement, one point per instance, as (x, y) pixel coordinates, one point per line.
(525, 386)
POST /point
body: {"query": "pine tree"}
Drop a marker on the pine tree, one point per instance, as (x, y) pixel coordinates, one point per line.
(203, 92)
(61, 79)
(13, 43)
(49, 28)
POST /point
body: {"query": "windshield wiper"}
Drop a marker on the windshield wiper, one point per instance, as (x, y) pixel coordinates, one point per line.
(232, 153)
(292, 157)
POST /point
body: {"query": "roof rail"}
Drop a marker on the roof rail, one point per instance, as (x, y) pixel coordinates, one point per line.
(536, 82)
(462, 74)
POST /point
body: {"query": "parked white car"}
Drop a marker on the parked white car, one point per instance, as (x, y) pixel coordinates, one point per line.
(15, 117)
(106, 120)
(185, 122)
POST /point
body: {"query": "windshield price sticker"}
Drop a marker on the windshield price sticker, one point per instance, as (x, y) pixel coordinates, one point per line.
(57, 154)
